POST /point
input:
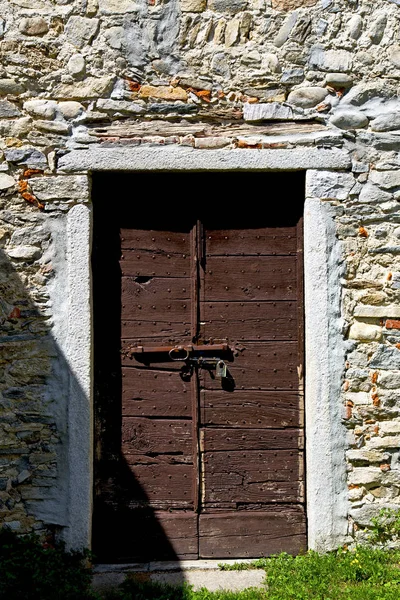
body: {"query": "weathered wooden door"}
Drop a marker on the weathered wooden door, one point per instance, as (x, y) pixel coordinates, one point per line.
(208, 462)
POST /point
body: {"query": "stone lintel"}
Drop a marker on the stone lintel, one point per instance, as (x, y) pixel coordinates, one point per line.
(189, 159)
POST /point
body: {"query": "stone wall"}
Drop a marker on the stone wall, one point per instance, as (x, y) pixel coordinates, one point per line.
(241, 76)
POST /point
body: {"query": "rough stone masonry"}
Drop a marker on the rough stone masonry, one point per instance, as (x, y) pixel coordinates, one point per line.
(238, 76)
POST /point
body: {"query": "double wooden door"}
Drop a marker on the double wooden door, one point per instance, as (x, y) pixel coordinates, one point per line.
(202, 455)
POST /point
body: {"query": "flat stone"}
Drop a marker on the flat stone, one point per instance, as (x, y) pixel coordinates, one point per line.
(29, 236)
(183, 158)
(386, 357)
(364, 455)
(211, 142)
(386, 179)
(329, 185)
(6, 181)
(338, 80)
(271, 111)
(385, 250)
(362, 93)
(108, 7)
(33, 26)
(293, 76)
(271, 95)
(372, 194)
(176, 108)
(80, 31)
(365, 476)
(359, 167)
(39, 4)
(373, 298)
(193, 5)
(363, 515)
(358, 398)
(197, 84)
(120, 106)
(27, 253)
(213, 579)
(389, 207)
(29, 156)
(70, 109)
(386, 442)
(340, 61)
(10, 86)
(287, 5)
(65, 187)
(163, 92)
(391, 477)
(307, 97)
(59, 127)
(46, 109)
(91, 87)
(377, 312)
(365, 332)
(7, 109)
(349, 119)
(168, 65)
(389, 427)
(385, 141)
(227, 6)
(386, 122)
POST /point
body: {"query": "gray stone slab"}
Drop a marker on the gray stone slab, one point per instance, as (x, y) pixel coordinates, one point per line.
(189, 159)
(385, 357)
(213, 579)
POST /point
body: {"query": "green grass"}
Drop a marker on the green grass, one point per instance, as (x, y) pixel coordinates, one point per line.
(360, 574)
(33, 570)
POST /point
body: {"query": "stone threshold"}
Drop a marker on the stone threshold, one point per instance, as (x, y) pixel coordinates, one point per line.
(196, 573)
(168, 566)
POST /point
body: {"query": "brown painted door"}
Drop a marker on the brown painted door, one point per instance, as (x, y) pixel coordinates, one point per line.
(207, 466)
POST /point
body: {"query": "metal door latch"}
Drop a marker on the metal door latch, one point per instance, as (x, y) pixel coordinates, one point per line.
(208, 363)
(194, 356)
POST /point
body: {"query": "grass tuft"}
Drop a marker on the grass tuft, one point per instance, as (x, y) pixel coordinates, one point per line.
(362, 573)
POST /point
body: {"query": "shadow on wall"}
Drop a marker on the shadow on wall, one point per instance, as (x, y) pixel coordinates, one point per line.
(35, 417)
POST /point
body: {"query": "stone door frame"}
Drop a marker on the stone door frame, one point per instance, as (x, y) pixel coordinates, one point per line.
(326, 488)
